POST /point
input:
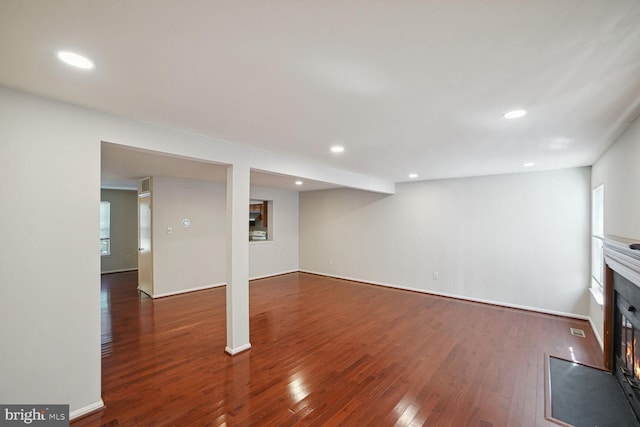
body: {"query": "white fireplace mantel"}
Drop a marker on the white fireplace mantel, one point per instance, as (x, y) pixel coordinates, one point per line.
(622, 259)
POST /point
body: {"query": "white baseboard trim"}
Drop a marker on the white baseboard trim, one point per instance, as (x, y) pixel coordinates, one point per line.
(266, 276)
(596, 334)
(122, 270)
(456, 296)
(86, 410)
(184, 291)
(234, 351)
(216, 285)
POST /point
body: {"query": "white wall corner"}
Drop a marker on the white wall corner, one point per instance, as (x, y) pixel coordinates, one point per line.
(596, 334)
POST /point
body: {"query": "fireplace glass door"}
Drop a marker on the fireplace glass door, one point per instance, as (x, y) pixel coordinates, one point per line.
(627, 347)
(628, 353)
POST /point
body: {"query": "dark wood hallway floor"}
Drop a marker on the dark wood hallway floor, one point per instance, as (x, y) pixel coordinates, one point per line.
(326, 352)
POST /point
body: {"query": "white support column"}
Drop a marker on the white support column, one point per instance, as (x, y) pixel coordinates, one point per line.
(238, 182)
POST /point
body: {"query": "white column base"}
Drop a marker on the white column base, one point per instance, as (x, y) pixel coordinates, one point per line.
(234, 351)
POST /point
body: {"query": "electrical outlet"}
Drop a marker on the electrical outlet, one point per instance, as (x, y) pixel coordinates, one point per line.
(436, 275)
(169, 230)
(330, 262)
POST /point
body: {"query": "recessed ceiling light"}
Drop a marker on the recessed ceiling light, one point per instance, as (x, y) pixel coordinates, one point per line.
(413, 175)
(528, 164)
(515, 114)
(337, 149)
(75, 60)
(299, 182)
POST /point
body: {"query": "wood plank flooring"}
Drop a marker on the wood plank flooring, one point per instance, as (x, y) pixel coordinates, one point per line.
(326, 352)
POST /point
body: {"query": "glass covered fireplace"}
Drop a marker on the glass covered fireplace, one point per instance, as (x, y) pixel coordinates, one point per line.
(627, 339)
(622, 315)
(628, 357)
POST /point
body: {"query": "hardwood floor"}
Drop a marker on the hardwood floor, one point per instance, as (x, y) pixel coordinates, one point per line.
(326, 352)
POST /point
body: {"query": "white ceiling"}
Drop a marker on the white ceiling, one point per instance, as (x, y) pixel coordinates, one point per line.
(405, 86)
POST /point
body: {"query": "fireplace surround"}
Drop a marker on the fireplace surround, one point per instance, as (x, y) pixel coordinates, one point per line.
(622, 316)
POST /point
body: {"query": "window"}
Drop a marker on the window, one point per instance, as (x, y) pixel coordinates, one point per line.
(105, 228)
(260, 220)
(597, 240)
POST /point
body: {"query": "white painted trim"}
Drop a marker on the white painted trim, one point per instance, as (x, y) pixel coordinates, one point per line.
(215, 285)
(261, 242)
(149, 295)
(596, 334)
(123, 270)
(597, 296)
(234, 351)
(273, 275)
(184, 291)
(86, 410)
(460, 297)
(621, 258)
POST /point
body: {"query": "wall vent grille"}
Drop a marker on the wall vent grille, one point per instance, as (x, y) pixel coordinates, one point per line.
(145, 186)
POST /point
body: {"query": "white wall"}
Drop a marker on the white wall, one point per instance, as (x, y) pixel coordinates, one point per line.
(49, 256)
(518, 240)
(279, 255)
(193, 258)
(618, 169)
(124, 231)
(189, 257)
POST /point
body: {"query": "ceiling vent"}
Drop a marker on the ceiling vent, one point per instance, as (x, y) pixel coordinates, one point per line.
(144, 186)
